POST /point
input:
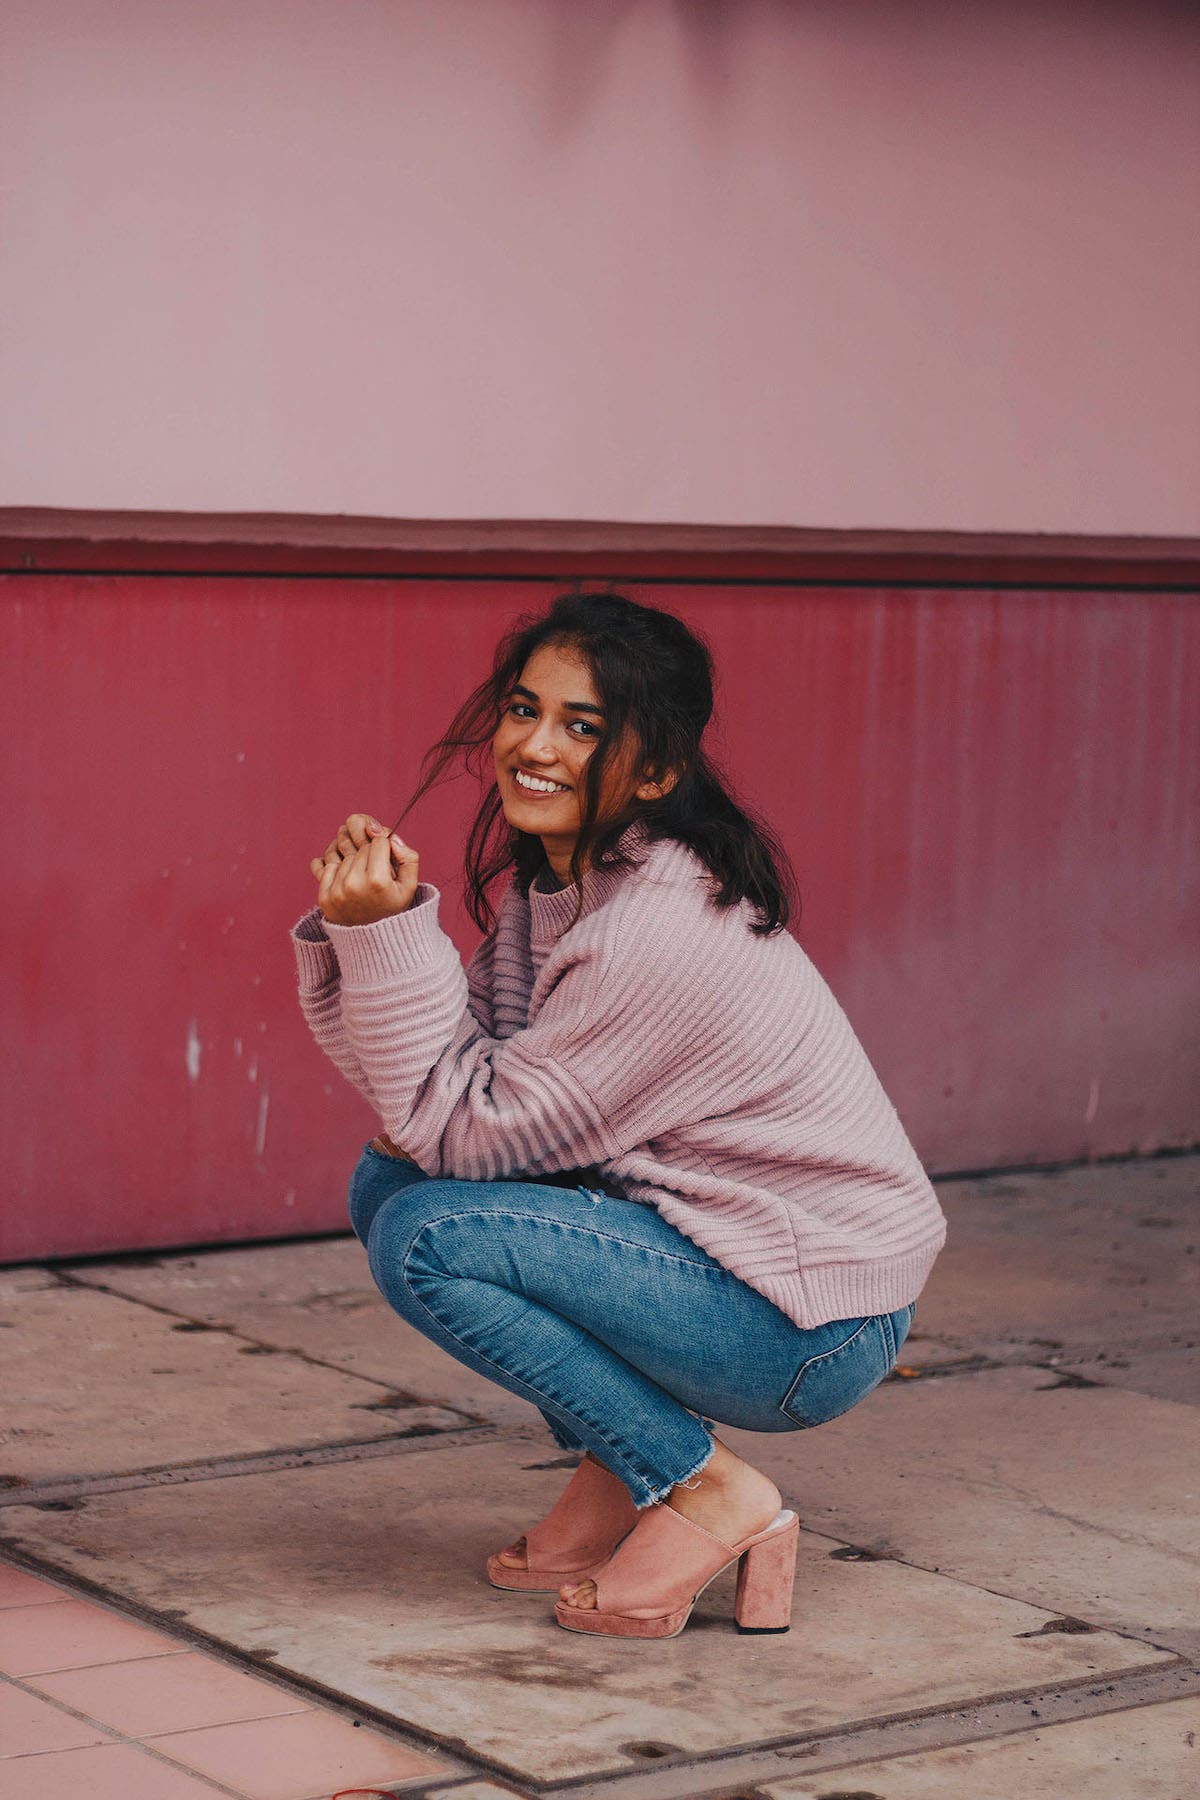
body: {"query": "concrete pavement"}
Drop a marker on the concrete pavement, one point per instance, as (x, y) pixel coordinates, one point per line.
(999, 1584)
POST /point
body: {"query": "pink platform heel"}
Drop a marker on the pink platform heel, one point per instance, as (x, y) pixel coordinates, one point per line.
(577, 1536)
(650, 1584)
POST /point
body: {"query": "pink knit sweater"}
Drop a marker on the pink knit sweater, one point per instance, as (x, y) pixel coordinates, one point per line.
(692, 1065)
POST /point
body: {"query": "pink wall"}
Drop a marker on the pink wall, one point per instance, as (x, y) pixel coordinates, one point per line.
(913, 265)
(990, 797)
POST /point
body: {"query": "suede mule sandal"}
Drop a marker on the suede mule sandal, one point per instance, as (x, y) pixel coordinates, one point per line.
(649, 1585)
(578, 1535)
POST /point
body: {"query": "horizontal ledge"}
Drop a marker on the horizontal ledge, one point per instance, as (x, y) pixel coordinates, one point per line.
(51, 540)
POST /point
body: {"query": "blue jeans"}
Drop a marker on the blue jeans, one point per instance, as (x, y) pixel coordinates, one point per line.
(624, 1334)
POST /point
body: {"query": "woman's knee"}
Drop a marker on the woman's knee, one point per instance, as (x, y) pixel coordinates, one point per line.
(403, 1223)
(375, 1181)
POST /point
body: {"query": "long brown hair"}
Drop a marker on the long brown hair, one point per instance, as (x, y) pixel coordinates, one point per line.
(654, 677)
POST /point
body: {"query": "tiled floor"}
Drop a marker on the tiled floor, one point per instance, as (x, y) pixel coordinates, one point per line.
(92, 1703)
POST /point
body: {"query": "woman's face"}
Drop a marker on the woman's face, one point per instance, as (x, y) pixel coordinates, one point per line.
(551, 724)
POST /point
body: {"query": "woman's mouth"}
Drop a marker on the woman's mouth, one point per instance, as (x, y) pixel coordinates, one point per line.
(536, 787)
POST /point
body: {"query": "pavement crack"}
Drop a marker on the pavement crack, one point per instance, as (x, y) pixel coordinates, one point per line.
(248, 1344)
(67, 1491)
(999, 1484)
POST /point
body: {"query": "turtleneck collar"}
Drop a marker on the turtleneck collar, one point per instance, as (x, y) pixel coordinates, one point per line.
(551, 910)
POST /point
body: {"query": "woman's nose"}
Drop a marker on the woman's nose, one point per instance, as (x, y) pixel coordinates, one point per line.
(540, 742)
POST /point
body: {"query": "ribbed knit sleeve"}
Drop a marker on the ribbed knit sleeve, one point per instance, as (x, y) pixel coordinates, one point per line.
(481, 975)
(321, 1001)
(614, 1051)
(319, 982)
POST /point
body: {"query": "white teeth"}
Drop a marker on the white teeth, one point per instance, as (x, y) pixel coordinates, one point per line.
(539, 787)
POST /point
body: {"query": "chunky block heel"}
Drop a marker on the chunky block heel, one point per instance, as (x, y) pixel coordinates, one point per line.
(765, 1578)
(650, 1584)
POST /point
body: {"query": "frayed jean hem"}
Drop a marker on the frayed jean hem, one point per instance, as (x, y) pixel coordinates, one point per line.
(656, 1497)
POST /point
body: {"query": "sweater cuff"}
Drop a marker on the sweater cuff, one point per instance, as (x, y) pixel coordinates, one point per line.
(311, 928)
(398, 945)
(316, 963)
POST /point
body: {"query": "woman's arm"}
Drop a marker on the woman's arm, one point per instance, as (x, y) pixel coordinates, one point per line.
(621, 1048)
(321, 999)
(320, 990)
(366, 872)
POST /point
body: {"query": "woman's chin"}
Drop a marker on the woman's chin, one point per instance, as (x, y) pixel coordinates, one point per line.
(522, 823)
(526, 818)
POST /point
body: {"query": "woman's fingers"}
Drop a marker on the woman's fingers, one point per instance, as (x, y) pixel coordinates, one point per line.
(379, 864)
(326, 901)
(408, 871)
(367, 873)
(359, 829)
(357, 879)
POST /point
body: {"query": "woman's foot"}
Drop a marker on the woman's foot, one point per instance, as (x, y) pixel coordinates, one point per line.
(576, 1538)
(515, 1556)
(730, 1498)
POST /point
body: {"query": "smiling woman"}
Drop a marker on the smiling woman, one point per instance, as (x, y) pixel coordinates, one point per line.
(541, 749)
(607, 699)
(636, 1167)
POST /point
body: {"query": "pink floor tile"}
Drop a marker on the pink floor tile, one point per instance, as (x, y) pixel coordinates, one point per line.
(19, 1589)
(112, 1772)
(305, 1756)
(28, 1724)
(168, 1693)
(36, 1639)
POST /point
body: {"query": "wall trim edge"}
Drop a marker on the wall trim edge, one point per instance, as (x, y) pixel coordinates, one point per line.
(50, 540)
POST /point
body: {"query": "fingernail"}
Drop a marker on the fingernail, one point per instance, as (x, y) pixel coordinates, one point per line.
(399, 842)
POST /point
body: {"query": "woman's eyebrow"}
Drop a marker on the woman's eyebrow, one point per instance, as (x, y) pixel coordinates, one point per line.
(571, 705)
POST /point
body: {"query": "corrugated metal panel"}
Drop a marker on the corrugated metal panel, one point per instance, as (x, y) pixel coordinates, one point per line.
(990, 798)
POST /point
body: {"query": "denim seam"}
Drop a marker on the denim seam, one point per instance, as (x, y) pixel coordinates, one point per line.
(492, 1212)
(825, 1356)
(535, 1398)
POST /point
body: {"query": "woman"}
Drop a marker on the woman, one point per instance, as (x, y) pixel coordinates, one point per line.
(635, 1165)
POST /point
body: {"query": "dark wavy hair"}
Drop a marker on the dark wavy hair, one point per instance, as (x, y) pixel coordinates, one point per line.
(654, 677)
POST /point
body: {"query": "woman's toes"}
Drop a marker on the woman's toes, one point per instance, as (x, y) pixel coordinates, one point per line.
(514, 1556)
(582, 1597)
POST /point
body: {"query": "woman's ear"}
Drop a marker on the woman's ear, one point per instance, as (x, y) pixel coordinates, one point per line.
(658, 789)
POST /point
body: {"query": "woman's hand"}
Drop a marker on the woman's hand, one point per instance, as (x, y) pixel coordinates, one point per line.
(357, 883)
(383, 1142)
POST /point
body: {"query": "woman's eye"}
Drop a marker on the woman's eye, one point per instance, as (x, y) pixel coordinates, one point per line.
(523, 706)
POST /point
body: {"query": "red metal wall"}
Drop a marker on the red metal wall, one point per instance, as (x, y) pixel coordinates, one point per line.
(990, 797)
